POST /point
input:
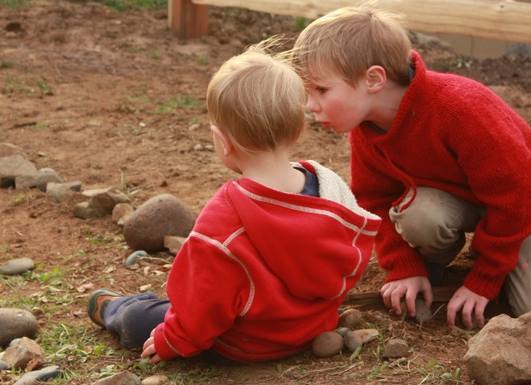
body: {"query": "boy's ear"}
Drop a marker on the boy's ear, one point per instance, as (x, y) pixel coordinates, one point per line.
(376, 77)
(223, 139)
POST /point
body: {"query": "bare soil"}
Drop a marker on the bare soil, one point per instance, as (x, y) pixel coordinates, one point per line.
(116, 99)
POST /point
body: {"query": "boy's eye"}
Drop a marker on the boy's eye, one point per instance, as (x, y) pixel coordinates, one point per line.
(321, 90)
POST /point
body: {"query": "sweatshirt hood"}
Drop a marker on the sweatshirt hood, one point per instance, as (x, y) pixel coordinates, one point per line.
(313, 245)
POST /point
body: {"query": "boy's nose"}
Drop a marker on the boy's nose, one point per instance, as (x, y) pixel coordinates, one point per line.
(311, 105)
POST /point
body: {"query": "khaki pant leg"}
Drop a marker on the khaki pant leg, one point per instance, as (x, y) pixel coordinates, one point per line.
(435, 223)
(518, 283)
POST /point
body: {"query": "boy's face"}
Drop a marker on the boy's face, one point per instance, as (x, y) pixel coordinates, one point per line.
(337, 104)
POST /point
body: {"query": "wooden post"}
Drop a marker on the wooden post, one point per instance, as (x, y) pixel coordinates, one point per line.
(189, 20)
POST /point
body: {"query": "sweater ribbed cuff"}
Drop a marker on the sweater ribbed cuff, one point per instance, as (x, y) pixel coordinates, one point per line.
(405, 266)
(162, 346)
(486, 286)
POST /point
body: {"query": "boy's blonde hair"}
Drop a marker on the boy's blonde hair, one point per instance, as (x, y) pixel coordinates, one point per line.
(349, 40)
(257, 100)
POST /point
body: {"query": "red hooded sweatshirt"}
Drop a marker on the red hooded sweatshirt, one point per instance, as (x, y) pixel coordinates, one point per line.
(263, 272)
(453, 134)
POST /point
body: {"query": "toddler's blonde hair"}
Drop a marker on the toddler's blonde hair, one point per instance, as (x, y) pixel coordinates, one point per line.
(257, 100)
(349, 40)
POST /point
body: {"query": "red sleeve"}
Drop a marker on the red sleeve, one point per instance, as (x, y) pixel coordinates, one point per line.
(375, 191)
(492, 146)
(207, 289)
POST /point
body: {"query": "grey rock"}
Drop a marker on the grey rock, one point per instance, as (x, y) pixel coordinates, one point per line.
(121, 212)
(159, 216)
(59, 191)
(122, 378)
(396, 348)
(45, 176)
(135, 257)
(21, 351)
(422, 311)
(104, 200)
(500, 353)
(327, 344)
(16, 323)
(15, 166)
(352, 341)
(342, 331)
(3, 365)
(351, 318)
(32, 378)
(158, 379)
(83, 210)
(17, 266)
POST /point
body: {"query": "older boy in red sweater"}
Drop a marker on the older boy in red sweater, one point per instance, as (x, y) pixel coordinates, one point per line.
(273, 253)
(435, 155)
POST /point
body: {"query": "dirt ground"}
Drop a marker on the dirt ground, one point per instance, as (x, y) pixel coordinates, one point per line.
(115, 99)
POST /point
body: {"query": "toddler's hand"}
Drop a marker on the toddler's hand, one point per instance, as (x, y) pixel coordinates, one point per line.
(392, 292)
(149, 349)
(468, 302)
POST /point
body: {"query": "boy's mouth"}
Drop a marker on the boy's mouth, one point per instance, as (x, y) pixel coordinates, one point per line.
(325, 124)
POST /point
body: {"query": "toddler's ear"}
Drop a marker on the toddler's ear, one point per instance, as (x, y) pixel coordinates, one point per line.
(222, 139)
(376, 77)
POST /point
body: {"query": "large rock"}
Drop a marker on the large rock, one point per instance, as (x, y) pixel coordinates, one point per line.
(500, 354)
(15, 166)
(15, 323)
(157, 217)
(21, 351)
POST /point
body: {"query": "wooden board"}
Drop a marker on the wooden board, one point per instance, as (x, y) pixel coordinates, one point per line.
(506, 20)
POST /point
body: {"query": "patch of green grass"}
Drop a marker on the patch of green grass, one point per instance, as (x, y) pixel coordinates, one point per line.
(13, 4)
(54, 276)
(63, 341)
(202, 60)
(22, 197)
(178, 102)
(5, 64)
(124, 5)
(434, 372)
(301, 22)
(44, 87)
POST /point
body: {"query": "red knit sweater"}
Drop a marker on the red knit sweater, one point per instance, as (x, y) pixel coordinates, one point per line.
(453, 134)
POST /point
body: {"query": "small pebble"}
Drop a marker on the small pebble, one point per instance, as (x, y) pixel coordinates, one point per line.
(342, 331)
(351, 318)
(352, 341)
(44, 374)
(327, 344)
(396, 348)
(158, 379)
(17, 266)
(422, 311)
(135, 257)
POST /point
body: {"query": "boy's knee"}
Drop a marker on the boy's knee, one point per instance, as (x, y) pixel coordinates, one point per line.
(134, 333)
(425, 220)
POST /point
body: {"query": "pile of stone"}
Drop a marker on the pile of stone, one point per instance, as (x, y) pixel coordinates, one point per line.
(351, 336)
(23, 353)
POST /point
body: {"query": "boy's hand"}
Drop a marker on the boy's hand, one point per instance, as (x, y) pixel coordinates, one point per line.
(392, 292)
(149, 349)
(467, 301)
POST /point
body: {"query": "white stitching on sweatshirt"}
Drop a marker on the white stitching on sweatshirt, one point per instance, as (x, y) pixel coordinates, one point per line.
(224, 248)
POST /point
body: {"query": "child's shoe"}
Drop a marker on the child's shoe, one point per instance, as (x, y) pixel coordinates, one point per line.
(98, 301)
